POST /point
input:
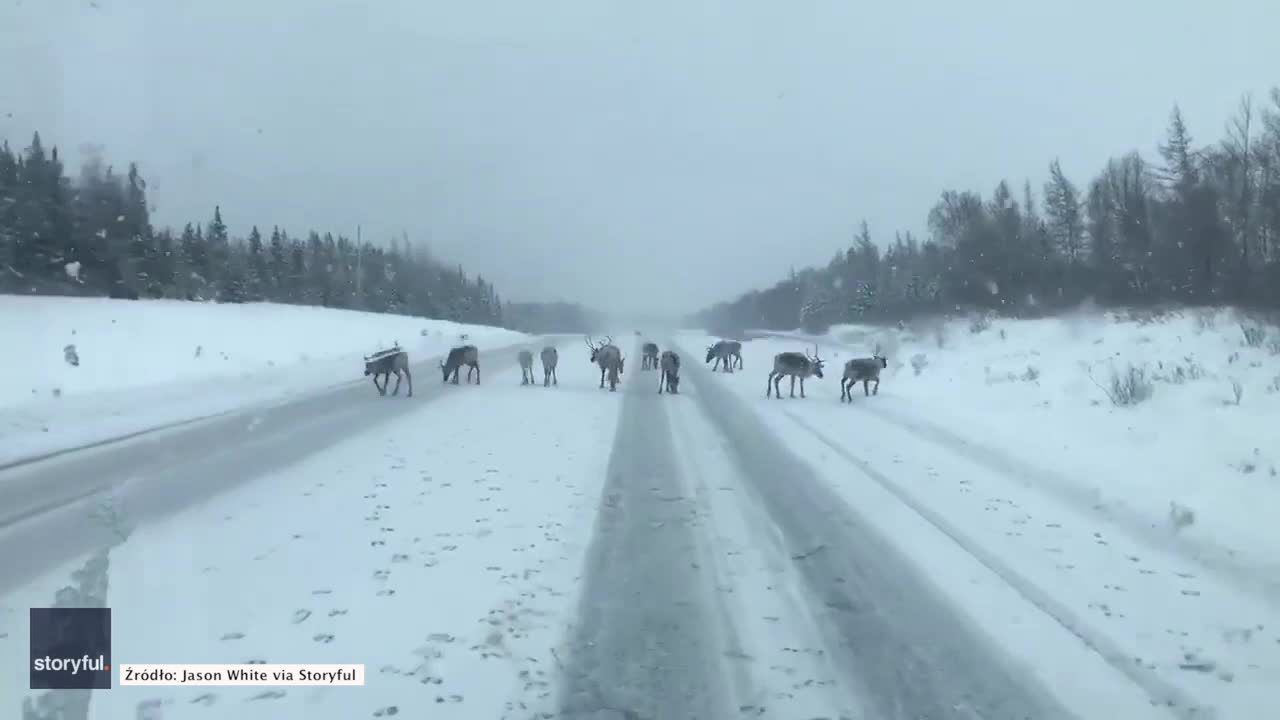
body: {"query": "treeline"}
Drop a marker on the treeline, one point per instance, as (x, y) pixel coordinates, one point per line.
(1197, 225)
(93, 236)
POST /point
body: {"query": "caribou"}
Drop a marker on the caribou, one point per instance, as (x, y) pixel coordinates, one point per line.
(670, 375)
(609, 358)
(796, 365)
(465, 355)
(550, 356)
(649, 361)
(385, 363)
(526, 367)
(864, 370)
(728, 352)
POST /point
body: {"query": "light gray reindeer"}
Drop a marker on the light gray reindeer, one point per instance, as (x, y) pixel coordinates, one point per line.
(609, 358)
(650, 359)
(670, 376)
(728, 352)
(526, 367)
(550, 356)
(796, 365)
(865, 370)
(465, 355)
(385, 363)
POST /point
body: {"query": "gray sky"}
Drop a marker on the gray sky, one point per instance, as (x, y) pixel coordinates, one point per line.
(659, 155)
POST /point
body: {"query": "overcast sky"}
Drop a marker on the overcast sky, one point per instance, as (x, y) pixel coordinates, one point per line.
(655, 155)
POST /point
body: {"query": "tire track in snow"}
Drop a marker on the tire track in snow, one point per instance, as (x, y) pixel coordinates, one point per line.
(1210, 557)
(1160, 692)
(911, 653)
(1213, 559)
(645, 644)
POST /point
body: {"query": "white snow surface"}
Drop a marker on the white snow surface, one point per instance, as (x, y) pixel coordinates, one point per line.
(1038, 507)
(1004, 444)
(148, 363)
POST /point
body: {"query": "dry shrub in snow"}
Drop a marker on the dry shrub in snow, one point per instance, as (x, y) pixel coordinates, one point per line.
(1032, 374)
(918, 362)
(71, 356)
(979, 323)
(1181, 373)
(1237, 390)
(1206, 320)
(1128, 388)
(1180, 516)
(1254, 335)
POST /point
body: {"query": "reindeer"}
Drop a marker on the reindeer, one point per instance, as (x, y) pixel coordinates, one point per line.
(864, 369)
(385, 363)
(650, 359)
(465, 355)
(726, 352)
(609, 358)
(670, 375)
(526, 367)
(797, 366)
(550, 356)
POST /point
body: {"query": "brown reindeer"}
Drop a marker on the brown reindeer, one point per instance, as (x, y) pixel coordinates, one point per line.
(385, 363)
(609, 358)
(550, 356)
(465, 355)
(795, 365)
(864, 370)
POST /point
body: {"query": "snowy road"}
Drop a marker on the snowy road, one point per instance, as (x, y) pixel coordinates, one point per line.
(43, 504)
(517, 552)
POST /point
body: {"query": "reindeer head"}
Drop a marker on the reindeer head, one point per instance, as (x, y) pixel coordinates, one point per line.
(595, 349)
(711, 352)
(816, 362)
(884, 362)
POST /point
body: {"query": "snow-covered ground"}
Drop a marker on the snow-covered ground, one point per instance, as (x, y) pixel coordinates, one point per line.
(80, 370)
(1191, 462)
(463, 551)
(442, 562)
(1147, 529)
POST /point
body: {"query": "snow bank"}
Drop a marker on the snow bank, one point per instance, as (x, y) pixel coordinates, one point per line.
(1145, 529)
(1196, 455)
(79, 370)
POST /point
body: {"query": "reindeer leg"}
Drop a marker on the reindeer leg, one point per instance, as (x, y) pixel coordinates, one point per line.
(768, 385)
(477, 373)
(376, 385)
(397, 390)
(865, 391)
(409, 376)
(793, 386)
(801, 387)
(877, 390)
(777, 387)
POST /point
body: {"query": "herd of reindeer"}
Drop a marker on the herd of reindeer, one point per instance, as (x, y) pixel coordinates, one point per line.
(726, 354)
